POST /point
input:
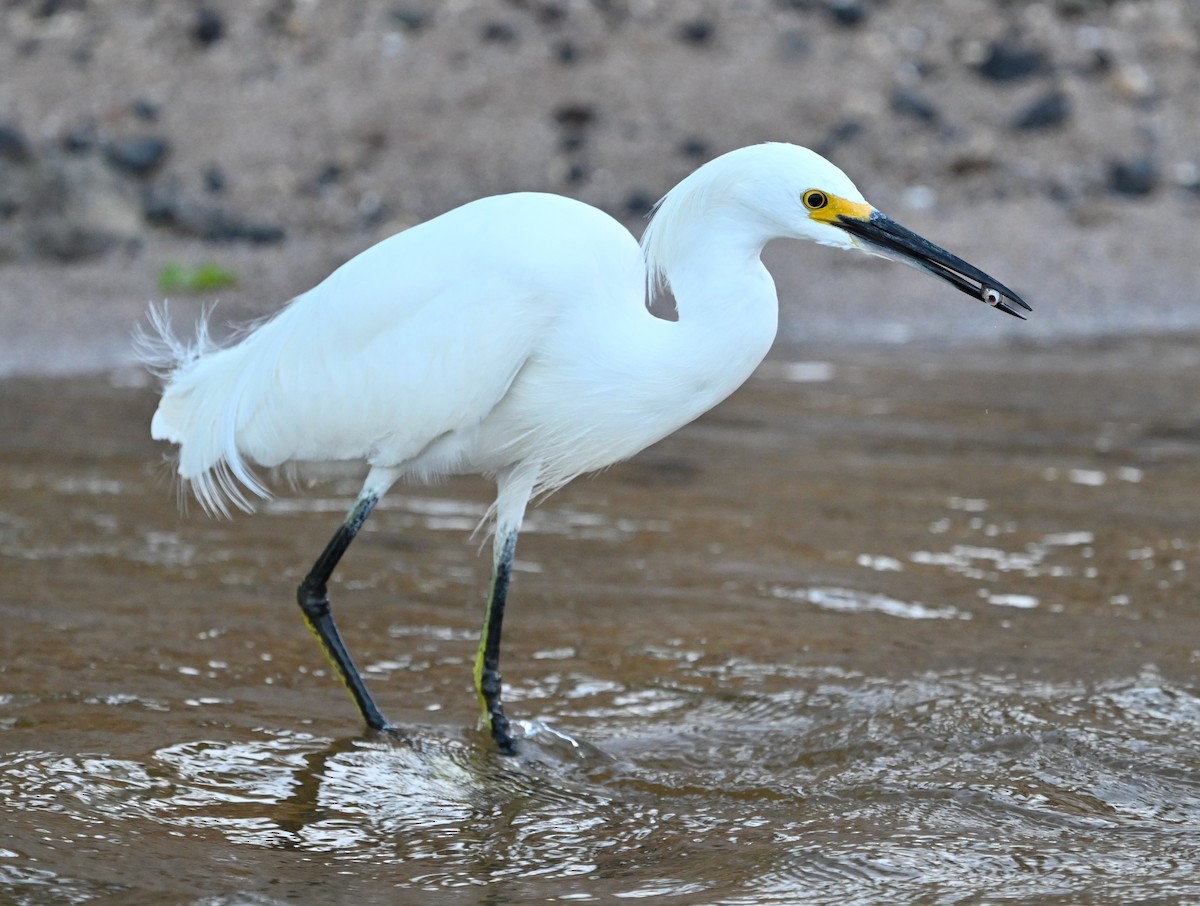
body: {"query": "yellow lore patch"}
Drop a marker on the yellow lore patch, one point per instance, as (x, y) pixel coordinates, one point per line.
(827, 208)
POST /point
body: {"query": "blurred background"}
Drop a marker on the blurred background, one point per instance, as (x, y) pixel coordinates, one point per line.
(239, 151)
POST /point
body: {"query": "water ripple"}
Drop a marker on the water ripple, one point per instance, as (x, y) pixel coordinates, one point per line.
(840, 787)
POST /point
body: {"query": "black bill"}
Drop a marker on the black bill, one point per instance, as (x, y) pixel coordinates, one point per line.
(887, 238)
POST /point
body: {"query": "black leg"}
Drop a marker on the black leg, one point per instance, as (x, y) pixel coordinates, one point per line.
(313, 598)
(487, 660)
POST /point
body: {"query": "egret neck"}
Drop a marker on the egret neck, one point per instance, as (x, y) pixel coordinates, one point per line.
(727, 305)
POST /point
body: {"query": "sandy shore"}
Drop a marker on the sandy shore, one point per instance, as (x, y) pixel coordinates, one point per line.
(1053, 144)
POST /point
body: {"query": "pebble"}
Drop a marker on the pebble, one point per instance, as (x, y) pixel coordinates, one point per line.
(910, 104)
(214, 178)
(1008, 61)
(145, 110)
(1047, 112)
(697, 31)
(499, 33)
(1135, 176)
(212, 223)
(575, 174)
(139, 155)
(694, 148)
(575, 115)
(566, 52)
(48, 8)
(13, 145)
(412, 20)
(638, 203)
(550, 14)
(847, 13)
(208, 27)
(328, 175)
(574, 119)
(80, 139)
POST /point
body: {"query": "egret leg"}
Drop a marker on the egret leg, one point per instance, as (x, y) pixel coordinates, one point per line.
(514, 486)
(487, 660)
(313, 597)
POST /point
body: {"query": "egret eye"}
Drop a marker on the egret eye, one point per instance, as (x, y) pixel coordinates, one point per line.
(814, 200)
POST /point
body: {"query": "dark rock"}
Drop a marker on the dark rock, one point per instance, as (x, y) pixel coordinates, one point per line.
(48, 8)
(500, 33)
(575, 116)
(574, 119)
(13, 145)
(139, 155)
(329, 175)
(80, 139)
(159, 204)
(164, 206)
(917, 106)
(229, 228)
(208, 27)
(1046, 112)
(638, 203)
(847, 13)
(972, 160)
(409, 19)
(551, 14)
(145, 110)
(693, 148)
(214, 179)
(697, 31)
(1137, 176)
(1074, 8)
(566, 52)
(1007, 61)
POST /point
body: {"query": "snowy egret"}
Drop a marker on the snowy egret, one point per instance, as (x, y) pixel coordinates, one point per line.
(511, 338)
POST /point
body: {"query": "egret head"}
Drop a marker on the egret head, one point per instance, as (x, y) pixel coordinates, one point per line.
(777, 190)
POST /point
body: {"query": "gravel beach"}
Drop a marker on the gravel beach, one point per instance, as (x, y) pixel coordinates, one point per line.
(1054, 143)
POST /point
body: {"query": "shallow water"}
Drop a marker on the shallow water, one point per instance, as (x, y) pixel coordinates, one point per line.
(887, 627)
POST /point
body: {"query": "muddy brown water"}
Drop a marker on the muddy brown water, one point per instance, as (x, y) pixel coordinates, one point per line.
(888, 626)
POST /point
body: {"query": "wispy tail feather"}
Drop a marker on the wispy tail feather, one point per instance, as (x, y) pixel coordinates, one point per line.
(204, 384)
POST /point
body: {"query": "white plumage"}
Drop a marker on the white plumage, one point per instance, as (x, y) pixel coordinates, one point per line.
(510, 337)
(511, 328)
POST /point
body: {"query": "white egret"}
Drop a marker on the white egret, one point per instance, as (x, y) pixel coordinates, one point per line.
(511, 338)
